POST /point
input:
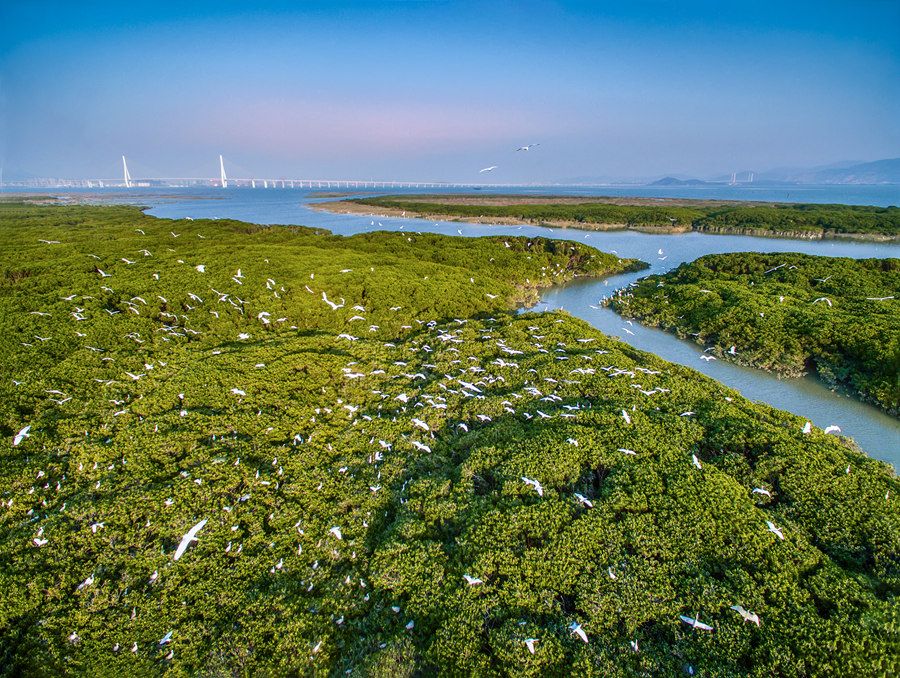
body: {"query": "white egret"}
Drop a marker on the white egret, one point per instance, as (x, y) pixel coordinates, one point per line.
(535, 484)
(21, 435)
(747, 615)
(576, 629)
(188, 538)
(696, 623)
(775, 530)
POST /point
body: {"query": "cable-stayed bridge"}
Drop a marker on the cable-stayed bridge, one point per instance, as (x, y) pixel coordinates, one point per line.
(223, 181)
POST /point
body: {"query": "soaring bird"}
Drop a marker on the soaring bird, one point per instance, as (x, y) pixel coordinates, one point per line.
(696, 461)
(21, 435)
(535, 484)
(696, 623)
(576, 629)
(759, 490)
(529, 643)
(832, 429)
(333, 305)
(807, 427)
(188, 538)
(775, 530)
(584, 501)
(472, 581)
(747, 615)
(527, 148)
(487, 169)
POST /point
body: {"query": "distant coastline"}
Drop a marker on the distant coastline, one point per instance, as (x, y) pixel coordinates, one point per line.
(702, 216)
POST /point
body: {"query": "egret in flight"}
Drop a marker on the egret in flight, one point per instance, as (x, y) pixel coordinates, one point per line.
(576, 629)
(696, 623)
(747, 615)
(535, 484)
(188, 538)
(775, 530)
(487, 169)
(21, 435)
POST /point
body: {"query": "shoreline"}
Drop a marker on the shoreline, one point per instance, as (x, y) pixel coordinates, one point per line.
(361, 209)
(780, 370)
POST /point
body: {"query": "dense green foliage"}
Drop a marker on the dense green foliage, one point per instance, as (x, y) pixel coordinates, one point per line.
(777, 218)
(799, 218)
(351, 472)
(587, 213)
(787, 313)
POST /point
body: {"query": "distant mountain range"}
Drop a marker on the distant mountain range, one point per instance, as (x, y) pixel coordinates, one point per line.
(877, 172)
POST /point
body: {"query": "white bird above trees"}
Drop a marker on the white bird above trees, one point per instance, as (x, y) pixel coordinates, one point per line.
(21, 435)
(333, 305)
(747, 615)
(529, 643)
(472, 581)
(775, 530)
(576, 629)
(695, 623)
(535, 484)
(188, 538)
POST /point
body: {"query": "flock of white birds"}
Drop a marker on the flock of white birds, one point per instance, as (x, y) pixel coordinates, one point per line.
(469, 382)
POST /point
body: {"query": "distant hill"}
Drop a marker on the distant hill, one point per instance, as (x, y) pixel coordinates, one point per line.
(877, 172)
(672, 181)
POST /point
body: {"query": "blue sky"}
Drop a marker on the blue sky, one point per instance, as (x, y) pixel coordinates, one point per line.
(437, 90)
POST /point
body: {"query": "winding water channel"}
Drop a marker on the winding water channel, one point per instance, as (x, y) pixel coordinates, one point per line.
(876, 432)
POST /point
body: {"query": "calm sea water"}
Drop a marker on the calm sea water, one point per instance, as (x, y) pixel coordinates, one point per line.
(877, 433)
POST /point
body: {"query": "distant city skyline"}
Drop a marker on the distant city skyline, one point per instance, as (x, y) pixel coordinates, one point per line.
(436, 91)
